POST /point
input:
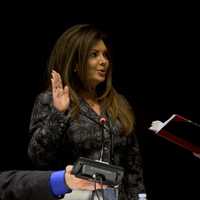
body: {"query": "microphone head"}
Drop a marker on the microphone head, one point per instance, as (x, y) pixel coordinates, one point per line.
(102, 120)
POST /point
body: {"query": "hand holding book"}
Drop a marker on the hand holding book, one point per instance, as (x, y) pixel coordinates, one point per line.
(156, 126)
(180, 131)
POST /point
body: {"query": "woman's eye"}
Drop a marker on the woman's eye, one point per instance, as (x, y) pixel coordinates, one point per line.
(93, 54)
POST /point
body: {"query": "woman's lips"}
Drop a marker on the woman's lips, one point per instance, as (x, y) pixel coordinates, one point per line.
(101, 72)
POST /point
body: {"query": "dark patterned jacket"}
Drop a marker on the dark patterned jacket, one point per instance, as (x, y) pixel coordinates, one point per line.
(58, 140)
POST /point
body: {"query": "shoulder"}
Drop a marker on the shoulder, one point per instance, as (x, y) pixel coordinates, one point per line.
(120, 96)
(123, 101)
(123, 98)
(44, 97)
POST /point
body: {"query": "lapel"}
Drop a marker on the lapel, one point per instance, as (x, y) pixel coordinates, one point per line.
(87, 111)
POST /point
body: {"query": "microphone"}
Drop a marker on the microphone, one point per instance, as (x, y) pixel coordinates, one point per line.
(102, 122)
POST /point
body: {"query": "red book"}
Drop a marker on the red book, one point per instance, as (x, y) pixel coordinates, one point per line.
(181, 131)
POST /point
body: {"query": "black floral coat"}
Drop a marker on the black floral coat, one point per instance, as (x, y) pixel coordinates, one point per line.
(58, 140)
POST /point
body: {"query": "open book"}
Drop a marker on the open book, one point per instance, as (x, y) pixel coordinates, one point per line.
(180, 131)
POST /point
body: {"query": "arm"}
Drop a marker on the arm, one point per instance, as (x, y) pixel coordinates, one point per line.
(36, 185)
(157, 125)
(48, 124)
(47, 127)
(22, 185)
(133, 180)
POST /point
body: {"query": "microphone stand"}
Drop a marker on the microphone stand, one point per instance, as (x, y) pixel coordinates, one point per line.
(102, 123)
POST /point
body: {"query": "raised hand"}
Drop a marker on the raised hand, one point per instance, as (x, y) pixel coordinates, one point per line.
(79, 184)
(61, 97)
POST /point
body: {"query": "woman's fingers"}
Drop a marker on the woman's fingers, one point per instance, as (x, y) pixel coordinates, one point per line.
(57, 82)
(53, 81)
(57, 87)
(66, 90)
(61, 97)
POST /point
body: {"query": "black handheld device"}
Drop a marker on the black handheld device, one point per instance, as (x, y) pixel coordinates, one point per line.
(99, 171)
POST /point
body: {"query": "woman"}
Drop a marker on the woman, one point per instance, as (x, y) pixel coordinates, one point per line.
(65, 122)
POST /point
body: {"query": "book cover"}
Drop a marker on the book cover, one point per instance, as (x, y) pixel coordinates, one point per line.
(181, 131)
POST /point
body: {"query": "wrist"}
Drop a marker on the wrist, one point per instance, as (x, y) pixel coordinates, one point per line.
(58, 184)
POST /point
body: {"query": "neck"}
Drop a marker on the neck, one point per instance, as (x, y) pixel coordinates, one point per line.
(89, 95)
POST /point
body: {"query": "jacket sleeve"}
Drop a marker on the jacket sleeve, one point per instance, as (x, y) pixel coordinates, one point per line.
(133, 181)
(47, 128)
(32, 185)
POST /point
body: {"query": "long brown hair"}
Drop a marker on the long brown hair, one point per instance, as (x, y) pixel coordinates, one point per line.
(71, 51)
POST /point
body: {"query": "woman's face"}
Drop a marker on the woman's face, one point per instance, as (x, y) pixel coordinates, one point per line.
(97, 64)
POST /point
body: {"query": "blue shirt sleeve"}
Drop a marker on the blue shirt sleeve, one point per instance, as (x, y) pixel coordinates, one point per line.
(58, 185)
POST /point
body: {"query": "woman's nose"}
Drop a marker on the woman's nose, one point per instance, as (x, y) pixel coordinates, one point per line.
(102, 60)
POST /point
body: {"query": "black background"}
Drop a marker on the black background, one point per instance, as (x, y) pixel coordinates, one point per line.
(156, 60)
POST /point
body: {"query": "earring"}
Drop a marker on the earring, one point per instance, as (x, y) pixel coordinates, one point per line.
(76, 68)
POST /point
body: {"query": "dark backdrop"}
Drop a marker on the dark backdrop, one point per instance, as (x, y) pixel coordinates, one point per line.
(156, 59)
